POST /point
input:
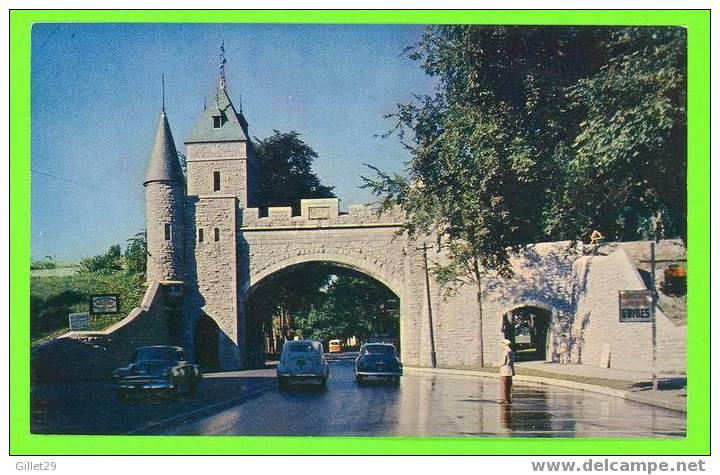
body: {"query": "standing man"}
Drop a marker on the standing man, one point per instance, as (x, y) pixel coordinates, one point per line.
(507, 371)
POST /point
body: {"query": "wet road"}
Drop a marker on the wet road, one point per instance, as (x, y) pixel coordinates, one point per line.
(432, 405)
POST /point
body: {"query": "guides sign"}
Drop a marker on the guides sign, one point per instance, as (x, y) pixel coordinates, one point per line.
(635, 305)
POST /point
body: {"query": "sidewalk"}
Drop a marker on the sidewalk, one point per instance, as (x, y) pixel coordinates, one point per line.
(630, 385)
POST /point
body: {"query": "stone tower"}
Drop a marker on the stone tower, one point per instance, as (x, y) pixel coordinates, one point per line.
(220, 156)
(165, 200)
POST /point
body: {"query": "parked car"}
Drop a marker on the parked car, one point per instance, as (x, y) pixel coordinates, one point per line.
(378, 361)
(335, 346)
(162, 369)
(302, 361)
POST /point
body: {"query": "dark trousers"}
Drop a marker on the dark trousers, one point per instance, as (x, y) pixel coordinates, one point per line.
(506, 388)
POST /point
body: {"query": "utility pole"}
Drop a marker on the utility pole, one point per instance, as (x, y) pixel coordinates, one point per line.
(652, 314)
(433, 358)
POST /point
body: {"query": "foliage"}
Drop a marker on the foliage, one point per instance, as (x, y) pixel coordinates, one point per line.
(352, 307)
(136, 254)
(46, 262)
(286, 173)
(538, 133)
(629, 164)
(110, 261)
(52, 298)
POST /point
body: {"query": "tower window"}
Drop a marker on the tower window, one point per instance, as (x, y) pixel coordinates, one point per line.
(201, 236)
(168, 231)
(217, 234)
(216, 181)
(217, 122)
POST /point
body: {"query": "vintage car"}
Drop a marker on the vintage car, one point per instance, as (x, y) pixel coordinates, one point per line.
(163, 369)
(302, 361)
(335, 346)
(378, 361)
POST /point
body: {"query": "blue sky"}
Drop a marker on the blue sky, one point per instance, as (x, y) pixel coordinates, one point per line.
(96, 97)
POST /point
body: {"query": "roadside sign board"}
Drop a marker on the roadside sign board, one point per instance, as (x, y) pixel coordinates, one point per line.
(79, 321)
(635, 305)
(105, 303)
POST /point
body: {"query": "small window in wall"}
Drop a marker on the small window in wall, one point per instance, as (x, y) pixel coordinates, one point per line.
(217, 234)
(168, 231)
(201, 236)
(216, 181)
(217, 122)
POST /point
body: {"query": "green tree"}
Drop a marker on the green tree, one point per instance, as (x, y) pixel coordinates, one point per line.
(495, 152)
(628, 169)
(106, 263)
(286, 174)
(136, 254)
(351, 306)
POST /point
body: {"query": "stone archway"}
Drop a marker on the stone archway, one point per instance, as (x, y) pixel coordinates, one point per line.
(289, 269)
(530, 326)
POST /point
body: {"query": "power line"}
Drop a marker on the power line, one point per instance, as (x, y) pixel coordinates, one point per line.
(85, 184)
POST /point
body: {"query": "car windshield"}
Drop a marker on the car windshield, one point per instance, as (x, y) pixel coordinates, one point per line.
(156, 353)
(384, 350)
(301, 348)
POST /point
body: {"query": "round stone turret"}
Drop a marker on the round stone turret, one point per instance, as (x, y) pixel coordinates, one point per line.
(165, 199)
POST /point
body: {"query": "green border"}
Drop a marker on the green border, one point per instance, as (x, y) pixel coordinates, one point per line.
(698, 440)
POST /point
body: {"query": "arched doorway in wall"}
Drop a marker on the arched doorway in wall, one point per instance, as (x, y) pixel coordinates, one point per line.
(207, 334)
(527, 327)
(322, 300)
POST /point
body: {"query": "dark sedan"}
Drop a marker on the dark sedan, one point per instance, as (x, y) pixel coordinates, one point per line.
(378, 361)
(163, 369)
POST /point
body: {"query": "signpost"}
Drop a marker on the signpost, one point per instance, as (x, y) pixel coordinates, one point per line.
(635, 305)
(433, 356)
(105, 303)
(79, 321)
(639, 306)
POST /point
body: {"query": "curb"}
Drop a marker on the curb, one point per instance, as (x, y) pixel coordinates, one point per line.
(541, 380)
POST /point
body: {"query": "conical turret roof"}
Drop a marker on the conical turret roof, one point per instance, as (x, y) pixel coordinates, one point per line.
(164, 164)
(232, 126)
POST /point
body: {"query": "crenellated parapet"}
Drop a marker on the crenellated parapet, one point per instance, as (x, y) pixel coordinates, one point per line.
(320, 213)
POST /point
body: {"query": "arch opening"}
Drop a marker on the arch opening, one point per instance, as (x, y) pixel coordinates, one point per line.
(320, 300)
(528, 328)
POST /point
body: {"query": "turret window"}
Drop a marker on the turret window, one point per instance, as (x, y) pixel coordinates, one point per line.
(217, 234)
(201, 236)
(168, 231)
(216, 181)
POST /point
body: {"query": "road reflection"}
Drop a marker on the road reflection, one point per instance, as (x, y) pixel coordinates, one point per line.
(437, 405)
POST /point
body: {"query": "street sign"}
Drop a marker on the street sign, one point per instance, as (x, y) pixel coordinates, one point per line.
(106, 303)
(79, 321)
(635, 305)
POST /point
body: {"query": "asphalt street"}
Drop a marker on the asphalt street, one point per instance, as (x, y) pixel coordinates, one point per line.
(434, 405)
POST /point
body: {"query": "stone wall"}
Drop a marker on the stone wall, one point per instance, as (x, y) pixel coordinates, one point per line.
(165, 205)
(92, 355)
(213, 272)
(230, 159)
(597, 333)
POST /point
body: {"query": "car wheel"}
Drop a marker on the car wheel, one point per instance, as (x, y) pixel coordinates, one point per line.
(396, 380)
(283, 384)
(360, 379)
(323, 383)
(123, 395)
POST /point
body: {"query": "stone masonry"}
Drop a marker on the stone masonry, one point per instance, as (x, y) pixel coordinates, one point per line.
(205, 237)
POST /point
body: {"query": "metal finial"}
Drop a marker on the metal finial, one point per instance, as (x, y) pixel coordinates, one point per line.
(222, 64)
(163, 92)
